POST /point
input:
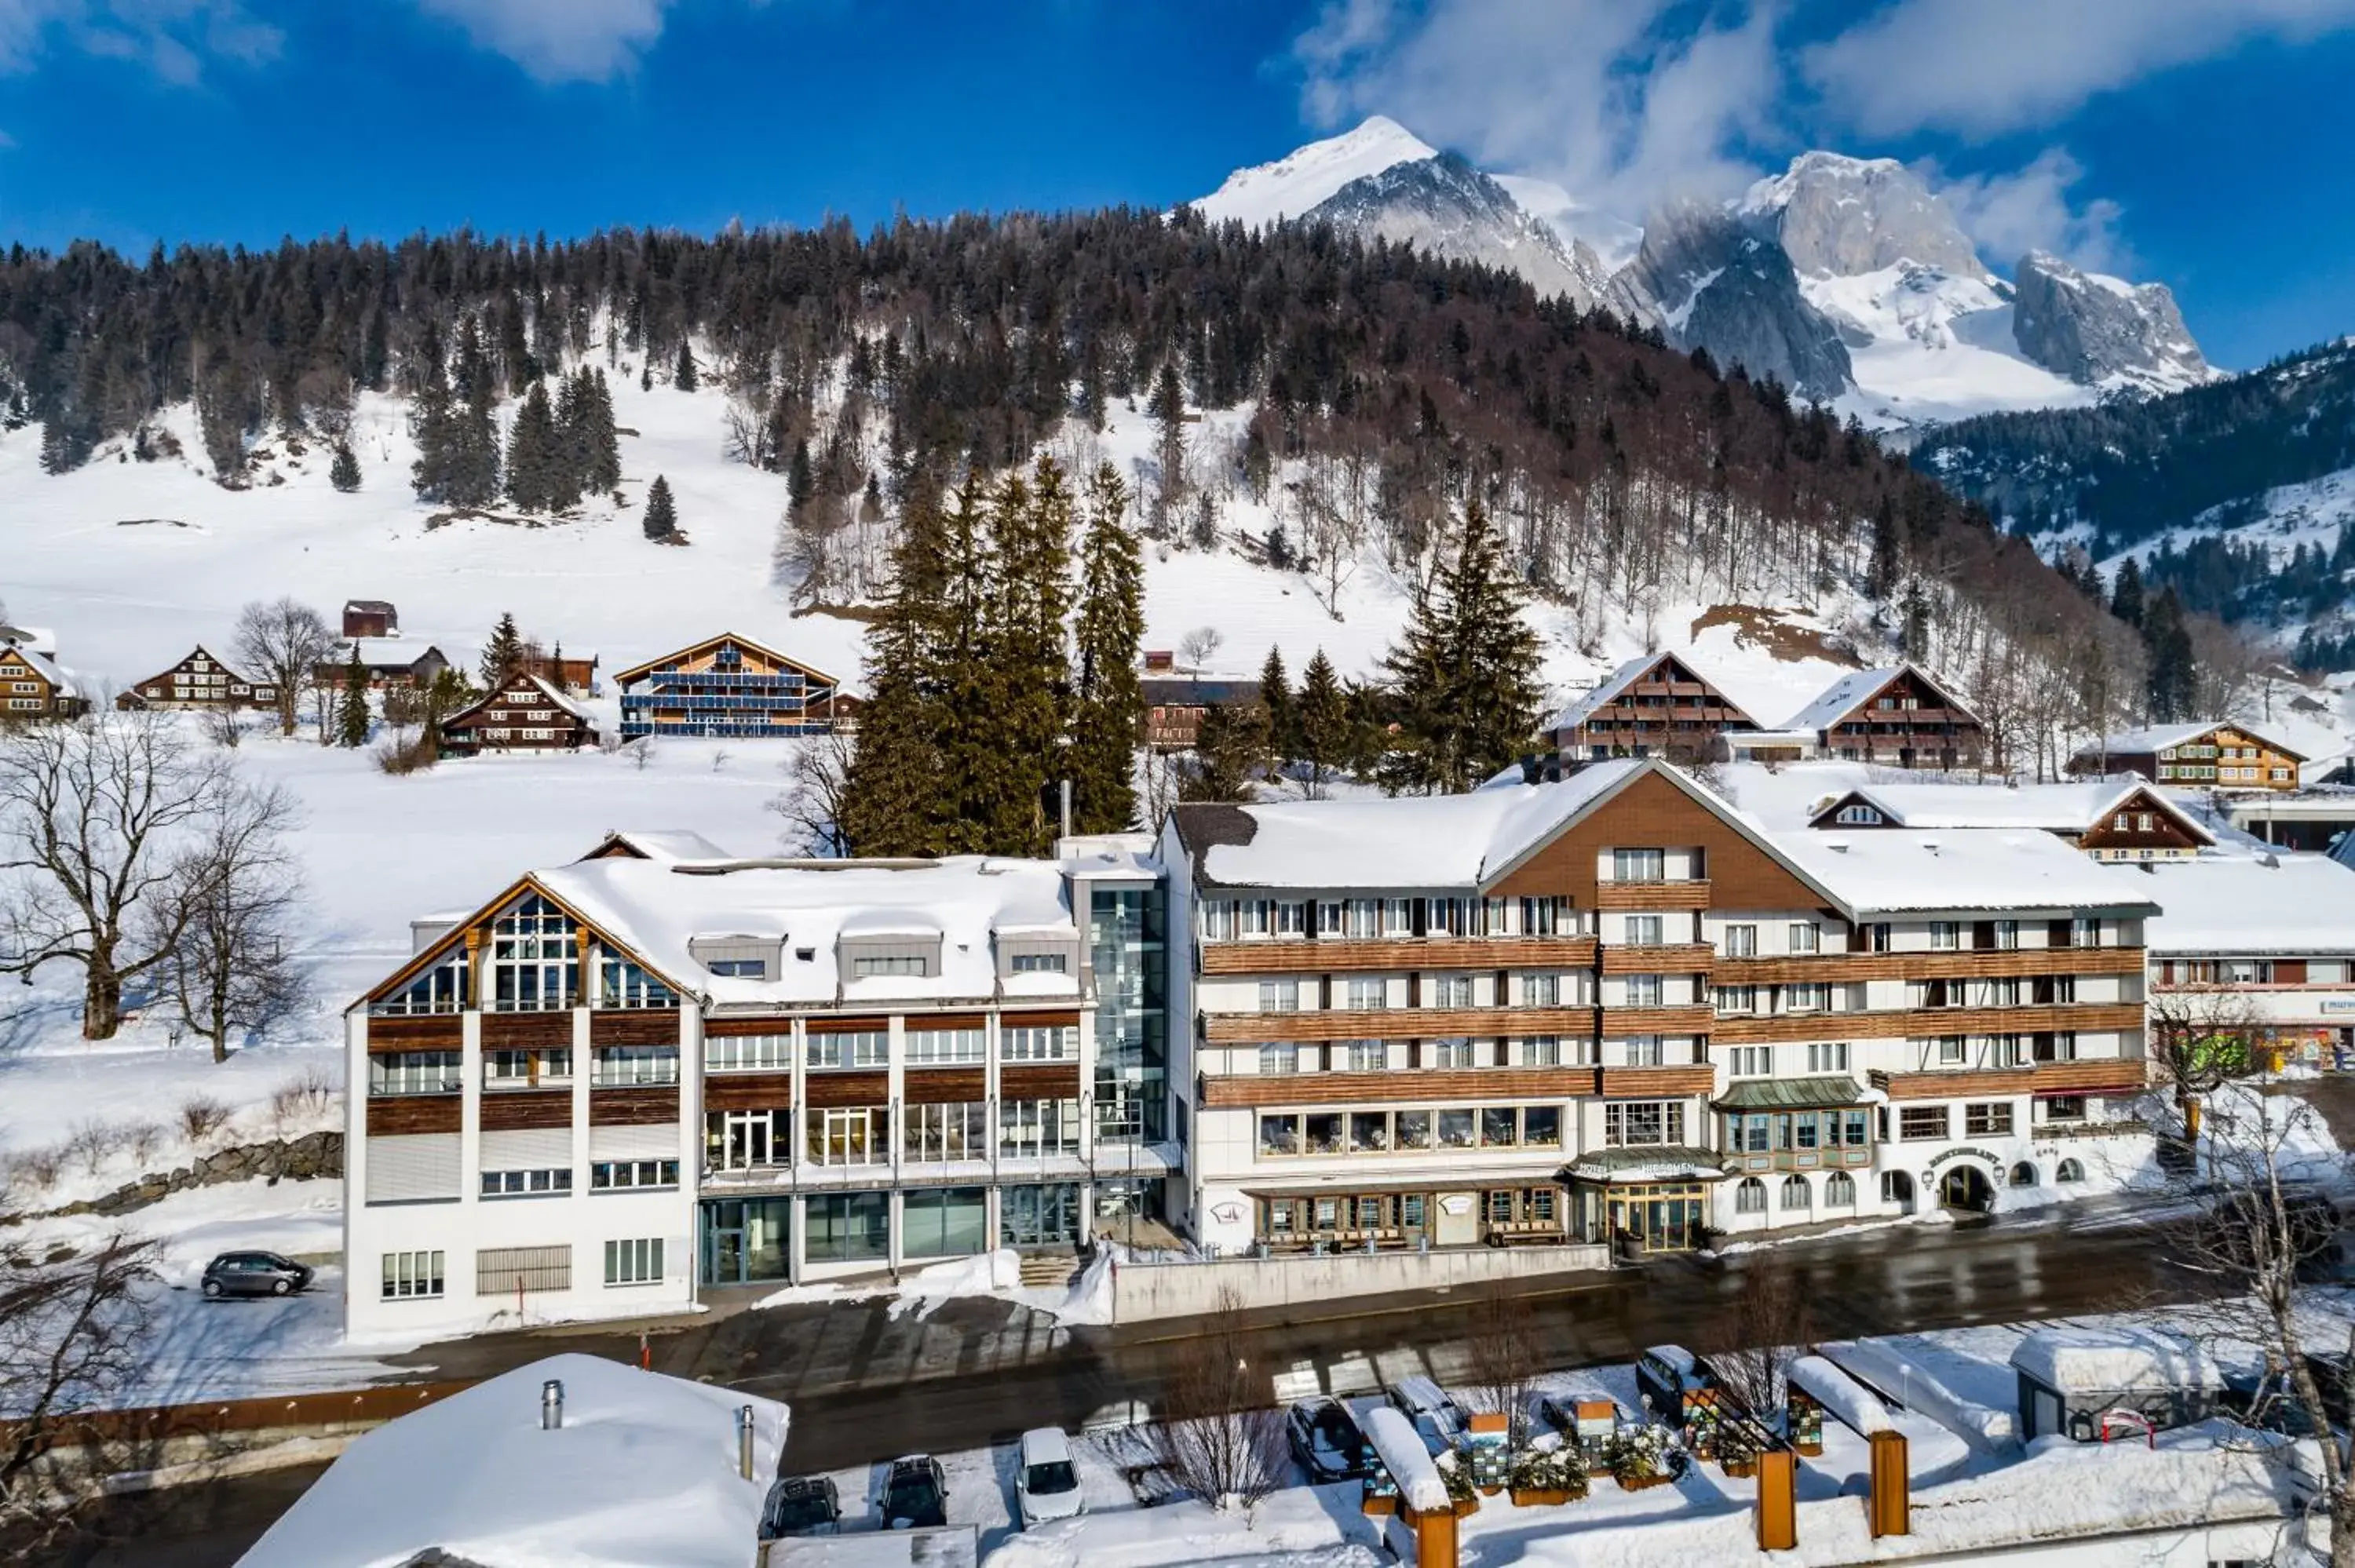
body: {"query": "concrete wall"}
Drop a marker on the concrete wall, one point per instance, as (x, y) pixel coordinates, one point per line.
(1144, 1291)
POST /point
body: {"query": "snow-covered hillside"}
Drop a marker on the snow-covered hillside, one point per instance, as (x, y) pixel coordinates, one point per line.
(1269, 193)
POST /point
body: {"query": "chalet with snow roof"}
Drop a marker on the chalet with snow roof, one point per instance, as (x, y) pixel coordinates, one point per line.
(370, 618)
(199, 684)
(1175, 706)
(389, 663)
(1657, 706)
(726, 686)
(2202, 755)
(2109, 819)
(568, 672)
(660, 1069)
(1613, 1009)
(524, 713)
(35, 686)
(1899, 717)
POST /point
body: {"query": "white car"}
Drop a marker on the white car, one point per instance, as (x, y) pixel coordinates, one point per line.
(1046, 1483)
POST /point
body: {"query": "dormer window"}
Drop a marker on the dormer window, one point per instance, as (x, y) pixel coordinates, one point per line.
(889, 955)
(738, 957)
(1041, 963)
(1859, 817)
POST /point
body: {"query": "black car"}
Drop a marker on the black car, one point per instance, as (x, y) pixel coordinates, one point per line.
(254, 1274)
(801, 1505)
(915, 1494)
(1325, 1439)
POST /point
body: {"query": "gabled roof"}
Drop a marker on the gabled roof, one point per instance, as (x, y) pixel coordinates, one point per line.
(226, 668)
(2156, 738)
(692, 648)
(2073, 808)
(386, 652)
(374, 606)
(1852, 691)
(670, 845)
(546, 688)
(1615, 685)
(48, 668)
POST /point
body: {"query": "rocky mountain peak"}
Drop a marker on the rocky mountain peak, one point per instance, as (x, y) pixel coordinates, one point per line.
(1446, 207)
(1706, 280)
(1843, 216)
(2095, 329)
(1270, 193)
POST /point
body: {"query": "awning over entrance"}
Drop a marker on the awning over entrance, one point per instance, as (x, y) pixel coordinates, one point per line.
(1790, 1094)
(1620, 1167)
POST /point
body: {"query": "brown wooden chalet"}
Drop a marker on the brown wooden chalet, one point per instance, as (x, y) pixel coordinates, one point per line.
(726, 685)
(1900, 717)
(34, 686)
(390, 662)
(370, 618)
(2204, 754)
(1175, 706)
(524, 713)
(2108, 820)
(198, 683)
(569, 672)
(1657, 706)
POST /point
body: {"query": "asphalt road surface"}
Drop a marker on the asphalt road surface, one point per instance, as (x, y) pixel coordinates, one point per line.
(866, 1381)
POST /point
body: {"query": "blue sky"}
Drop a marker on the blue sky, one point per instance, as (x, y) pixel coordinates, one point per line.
(2200, 142)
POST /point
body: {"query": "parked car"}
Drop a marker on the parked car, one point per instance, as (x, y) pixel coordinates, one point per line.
(1668, 1376)
(915, 1494)
(1325, 1439)
(254, 1274)
(801, 1505)
(2309, 1223)
(1438, 1418)
(1047, 1487)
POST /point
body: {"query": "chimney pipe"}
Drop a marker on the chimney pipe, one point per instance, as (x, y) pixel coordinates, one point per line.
(745, 1422)
(551, 1405)
(1066, 785)
(1892, 1504)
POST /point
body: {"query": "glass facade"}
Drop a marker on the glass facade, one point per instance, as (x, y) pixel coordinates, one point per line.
(744, 1239)
(945, 1222)
(847, 1228)
(1128, 934)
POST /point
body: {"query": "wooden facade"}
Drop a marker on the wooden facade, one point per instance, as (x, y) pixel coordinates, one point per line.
(2136, 825)
(370, 618)
(1908, 720)
(1661, 708)
(2214, 757)
(566, 672)
(526, 713)
(1175, 706)
(34, 686)
(726, 686)
(389, 661)
(196, 684)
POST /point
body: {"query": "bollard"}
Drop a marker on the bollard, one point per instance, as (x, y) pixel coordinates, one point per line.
(551, 1405)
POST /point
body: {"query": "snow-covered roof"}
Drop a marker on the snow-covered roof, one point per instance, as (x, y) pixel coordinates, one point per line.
(642, 1472)
(2115, 1359)
(669, 845)
(1882, 870)
(1853, 690)
(386, 652)
(2070, 807)
(550, 692)
(49, 670)
(2233, 906)
(1606, 690)
(2159, 738)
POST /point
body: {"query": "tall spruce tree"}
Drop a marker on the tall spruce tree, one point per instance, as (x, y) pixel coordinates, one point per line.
(1462, 679)
(1167, 409)
(352, 712)
(1276, 699)
(344, 474)
(1230, 751)
(2172, 681)
(684, 376)
(503, 652)
(662, 512)
(895, 793)
(1029, 653)
(1108, 699)
(967, 685)
(1887, 556)
(2126, 594)
(1322, 718)
(601, 474)
(536, 458)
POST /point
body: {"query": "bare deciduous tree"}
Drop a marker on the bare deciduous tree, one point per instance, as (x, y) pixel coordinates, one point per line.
(100, 823)
(1504, 1329)
(811, 800)
(1197, 647)
(283, 642)
(1771, 1329)
(2200, 1037)
(234, 908)
(1219, 1437)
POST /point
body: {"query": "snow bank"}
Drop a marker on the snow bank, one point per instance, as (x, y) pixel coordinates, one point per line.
(2115, 1360)
(1839, 1394)
(1881, 1366)
(1404, 1457)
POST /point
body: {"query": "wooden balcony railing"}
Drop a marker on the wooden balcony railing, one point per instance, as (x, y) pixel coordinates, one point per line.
(1396, 1024)
(1691, 1018)
(1668, 958)
(1927, 1023)
(1342, 955)
(1643, 895)
(1965, 964)
(1496, 1085)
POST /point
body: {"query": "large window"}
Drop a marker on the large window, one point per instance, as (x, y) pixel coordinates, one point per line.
(939, 1045)
(941, 1132)
(416, 1073)
(945, 1222)
(1636, 1123)
(848, 1227)
(853, 1048)
(848, 1135)
(1795, 1194)
(413, 1275)
(614, 1066)
(635, 1262)
(1038, 1043)
(535, 959)
(527, 1069)
(722, 1052)
(1038, 1126)
(622, 983)
(1639, 865)
(441, 989)
(1917, 1124)
(1750, 1196)
(1840, 1191)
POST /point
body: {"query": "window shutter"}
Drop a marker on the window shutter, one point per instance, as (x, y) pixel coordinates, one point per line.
(412, 1167)
(633, 1142)
(532, 1148)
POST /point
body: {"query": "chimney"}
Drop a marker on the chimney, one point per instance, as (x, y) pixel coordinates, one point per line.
(745, 1421)
(551, 1405)
(1892, 1510)
(1778, 1499)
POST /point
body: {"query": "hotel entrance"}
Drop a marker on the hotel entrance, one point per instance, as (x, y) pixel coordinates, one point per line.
(1643, 1200)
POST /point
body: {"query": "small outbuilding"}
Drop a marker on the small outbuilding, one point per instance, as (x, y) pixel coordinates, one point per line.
(2077, 1381)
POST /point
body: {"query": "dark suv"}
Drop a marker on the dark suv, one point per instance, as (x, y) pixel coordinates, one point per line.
(254, 1274)
(801, 1505)
(915, 1494)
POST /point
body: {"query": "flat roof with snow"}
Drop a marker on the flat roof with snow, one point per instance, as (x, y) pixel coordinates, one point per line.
(2233, 906)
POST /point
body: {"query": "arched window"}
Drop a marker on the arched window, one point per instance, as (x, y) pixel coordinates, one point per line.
(1750, 1197)
(2023, 1174)
(1795, 1193)
(1840, 1191)
(2070, 1171)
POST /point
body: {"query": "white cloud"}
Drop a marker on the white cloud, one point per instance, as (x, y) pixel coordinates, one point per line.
(560, 40)
(1982, 66)
(2008, 215)
(175, 38)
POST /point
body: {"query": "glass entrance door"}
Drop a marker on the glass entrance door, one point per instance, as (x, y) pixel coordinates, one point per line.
(1046, 1215)
(743, 1240)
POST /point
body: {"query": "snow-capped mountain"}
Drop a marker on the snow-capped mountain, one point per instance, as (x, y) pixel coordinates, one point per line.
(1446, 207)
(1298, 182)
(1707, 280)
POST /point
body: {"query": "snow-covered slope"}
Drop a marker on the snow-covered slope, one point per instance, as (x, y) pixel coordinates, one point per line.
(1289, 187)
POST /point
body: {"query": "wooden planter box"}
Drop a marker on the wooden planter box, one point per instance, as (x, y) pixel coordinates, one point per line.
(1490, 1491)
(1814, 1450)
(1468, 1506)
(1378, 1508)
(1640, 1483)
(1530, 1496)
(1742, 1469)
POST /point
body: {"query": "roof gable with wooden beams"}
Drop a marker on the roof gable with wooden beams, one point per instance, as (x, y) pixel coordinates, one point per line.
(701, 655)
(1628, 680)
(18, 663)
(455, 936)
(514, 690)
(190, 665)
(1855, 692)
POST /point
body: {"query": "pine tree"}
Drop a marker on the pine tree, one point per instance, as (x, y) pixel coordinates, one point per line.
(344, 474)
(1108, 708)
(662, 512)
(503, 652)
(1322, 720)
(2126, 594)
(1030, 528)
(2171, 689)
(535, 458)
(1915, 641)
(684, 376)
(1167, 409)
(966, 686)
(352, 715)
(895, 793)
(1463, 676)
(1275, 700)
(800, 483)
(1230, 750)
(1886, 558)
(602, 473)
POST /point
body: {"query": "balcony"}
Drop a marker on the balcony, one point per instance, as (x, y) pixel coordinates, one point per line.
(1666, 958)
(1951, 964)
(1647, 895)
(1395, 1023)
(1427, 1085)
(1656, 1082)
(1349, 955)
(2101, 1076)
(1682, 1018)
(1928, 1023)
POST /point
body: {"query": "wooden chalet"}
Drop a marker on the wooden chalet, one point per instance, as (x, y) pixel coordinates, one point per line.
(568, 671)
(1899, 717)
(2109, 821)
(2206, 754)
(1175, 706)
(1657, 706)
(198, 683)
(389, 660)
(524, 713)
(37, 686)
(370, 618)
(726, 686)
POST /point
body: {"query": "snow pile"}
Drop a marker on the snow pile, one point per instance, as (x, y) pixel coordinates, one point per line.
(2108, 1360)
(1882, 1366)
(1839, 1394)
(1403, 1455)
(643, 1470)
(1087, 1300)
